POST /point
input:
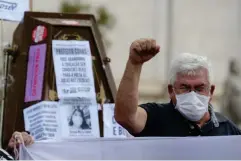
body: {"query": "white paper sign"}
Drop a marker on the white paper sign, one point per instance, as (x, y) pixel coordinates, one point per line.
(70, 118)
(79, 118)
(13, 10)
(73, 68)
(42, 120)
(111, 127)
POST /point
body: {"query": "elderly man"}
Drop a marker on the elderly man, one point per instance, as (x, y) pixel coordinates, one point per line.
(189, 113)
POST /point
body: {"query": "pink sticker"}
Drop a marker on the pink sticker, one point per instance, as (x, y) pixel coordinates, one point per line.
(35, 73)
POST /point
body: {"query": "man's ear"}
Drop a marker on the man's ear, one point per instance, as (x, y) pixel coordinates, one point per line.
(212, 89)
(170, 90)
(211, 92)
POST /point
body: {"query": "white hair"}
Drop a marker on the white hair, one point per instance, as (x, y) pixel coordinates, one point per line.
(189, 64)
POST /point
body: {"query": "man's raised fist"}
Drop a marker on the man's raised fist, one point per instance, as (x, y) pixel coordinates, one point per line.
(143, 50)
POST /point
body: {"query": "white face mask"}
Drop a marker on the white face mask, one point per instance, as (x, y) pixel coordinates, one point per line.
(191, 105)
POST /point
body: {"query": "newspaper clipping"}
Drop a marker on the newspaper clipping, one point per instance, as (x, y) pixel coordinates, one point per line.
(42, 120)
(73, 68)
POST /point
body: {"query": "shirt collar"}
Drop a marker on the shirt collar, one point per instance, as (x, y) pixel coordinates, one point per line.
(213, 116)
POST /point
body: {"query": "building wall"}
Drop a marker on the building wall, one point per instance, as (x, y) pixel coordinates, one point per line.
(210, 28)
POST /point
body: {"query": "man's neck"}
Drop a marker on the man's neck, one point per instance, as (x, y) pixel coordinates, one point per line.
(205, 119)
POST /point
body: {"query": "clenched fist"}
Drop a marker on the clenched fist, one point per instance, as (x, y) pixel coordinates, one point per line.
(143, 50)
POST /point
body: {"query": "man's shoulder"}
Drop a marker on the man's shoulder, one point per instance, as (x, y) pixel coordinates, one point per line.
(231, 127)
(156, 107)
(221, 118)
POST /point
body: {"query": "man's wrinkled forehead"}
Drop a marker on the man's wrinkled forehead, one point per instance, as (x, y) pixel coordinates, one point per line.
(195, 77)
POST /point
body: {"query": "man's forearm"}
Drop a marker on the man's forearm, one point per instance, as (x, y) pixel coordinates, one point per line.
(127, 95)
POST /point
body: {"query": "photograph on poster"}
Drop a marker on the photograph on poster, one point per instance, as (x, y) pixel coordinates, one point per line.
(80, 118)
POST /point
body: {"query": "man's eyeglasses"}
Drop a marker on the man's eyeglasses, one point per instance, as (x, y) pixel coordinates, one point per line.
(186, 89)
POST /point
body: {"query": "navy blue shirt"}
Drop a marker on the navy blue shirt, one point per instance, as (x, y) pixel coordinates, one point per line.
(165, 120)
